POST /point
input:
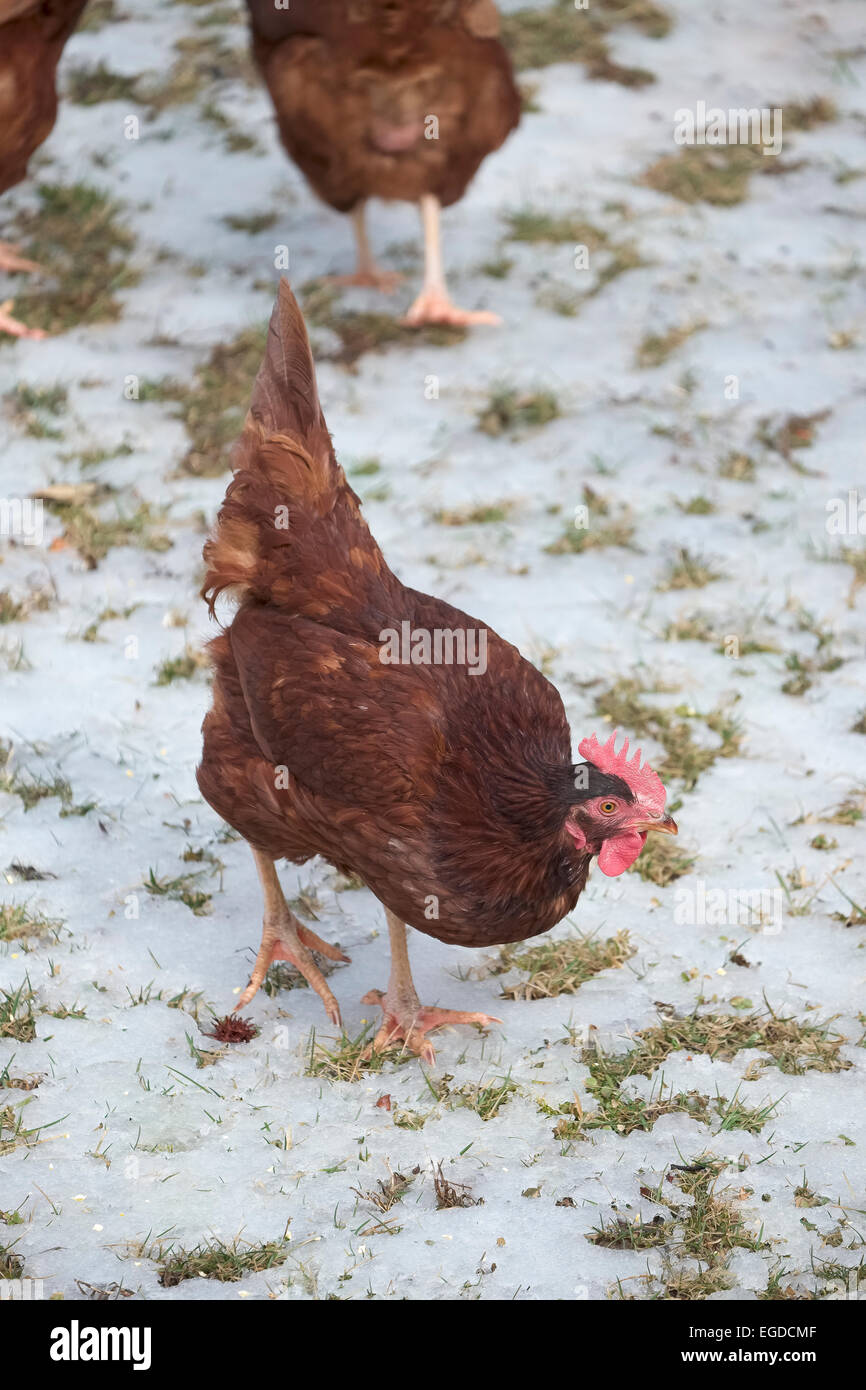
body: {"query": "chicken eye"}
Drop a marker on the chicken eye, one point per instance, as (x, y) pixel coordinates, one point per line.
(607, 808)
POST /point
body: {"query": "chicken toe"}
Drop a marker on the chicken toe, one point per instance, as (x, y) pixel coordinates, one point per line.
(405, 1018)
(434, 306)
(408, 1021)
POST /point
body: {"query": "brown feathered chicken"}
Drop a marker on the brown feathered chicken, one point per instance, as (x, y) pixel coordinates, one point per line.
(398, 99)
(397, 737)
(32, 36)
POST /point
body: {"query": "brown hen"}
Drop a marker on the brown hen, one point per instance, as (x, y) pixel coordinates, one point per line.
(32, 37)
(391, 99)
(383, 729)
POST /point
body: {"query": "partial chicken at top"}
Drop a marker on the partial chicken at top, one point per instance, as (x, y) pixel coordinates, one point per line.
(393, 99)
(448, 788)
(32, 37)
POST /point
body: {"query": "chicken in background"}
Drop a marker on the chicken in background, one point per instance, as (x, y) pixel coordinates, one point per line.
(449, 789)
(395, 99)
(32, 37)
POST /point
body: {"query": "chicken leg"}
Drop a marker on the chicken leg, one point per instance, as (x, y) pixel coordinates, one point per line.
(368, 273)
(434, 304)
(285, 938)
(405, 1019)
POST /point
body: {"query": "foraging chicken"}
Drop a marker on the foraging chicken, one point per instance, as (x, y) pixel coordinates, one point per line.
(32, 37)
(395, 99)
(446, 786)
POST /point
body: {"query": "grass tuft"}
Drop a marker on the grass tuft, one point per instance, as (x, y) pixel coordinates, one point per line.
(561, 967)
(78, 234)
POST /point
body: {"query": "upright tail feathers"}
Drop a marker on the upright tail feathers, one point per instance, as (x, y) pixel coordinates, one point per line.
(290, 526)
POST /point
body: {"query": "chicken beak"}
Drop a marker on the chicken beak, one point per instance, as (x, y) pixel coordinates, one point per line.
(666, 825)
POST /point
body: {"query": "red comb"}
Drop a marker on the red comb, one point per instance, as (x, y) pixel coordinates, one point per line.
(646, 784)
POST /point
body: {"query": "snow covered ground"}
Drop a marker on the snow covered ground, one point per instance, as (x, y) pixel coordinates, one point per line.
(137, 1144)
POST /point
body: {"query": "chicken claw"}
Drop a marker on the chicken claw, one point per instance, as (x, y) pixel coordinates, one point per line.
(405, 1018)
(406, 1021)
(434, 306)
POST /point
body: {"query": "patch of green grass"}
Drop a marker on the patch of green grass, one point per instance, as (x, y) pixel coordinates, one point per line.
(30, 788)
(17, 1016)
(559, 33)
(808, 115)
(856, 558)
(485, 1098)
(78, 234)
(791, 434)
(656, 348)
(252, 222)
(35, 409)
(662, 861)
(617, 1109)
(792, 1046)
(180, 890)
(94, 535)
(203, 61)
(697, 506)
(366, 468)
(689, 627)
(822, 842)
(481, 514)
(531, 224)
(88, 86)
(620, 1234)
(106, 615)
(180, 668)
(11, 1265)
(622, 706)
(18, 921)
(559, 299)
(509, 410)
(738, 466)
(720, 174)
(350, 1058)
(235, 140)
(706, 174)
(688, 570)
(214, 1259)
(97, 15)
(498, 269)
(576, 540)
(561, 967)
(701, 1234)
(91, 458)
(36, 599)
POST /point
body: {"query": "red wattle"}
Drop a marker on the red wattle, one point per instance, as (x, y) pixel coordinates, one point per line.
(618, 853)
